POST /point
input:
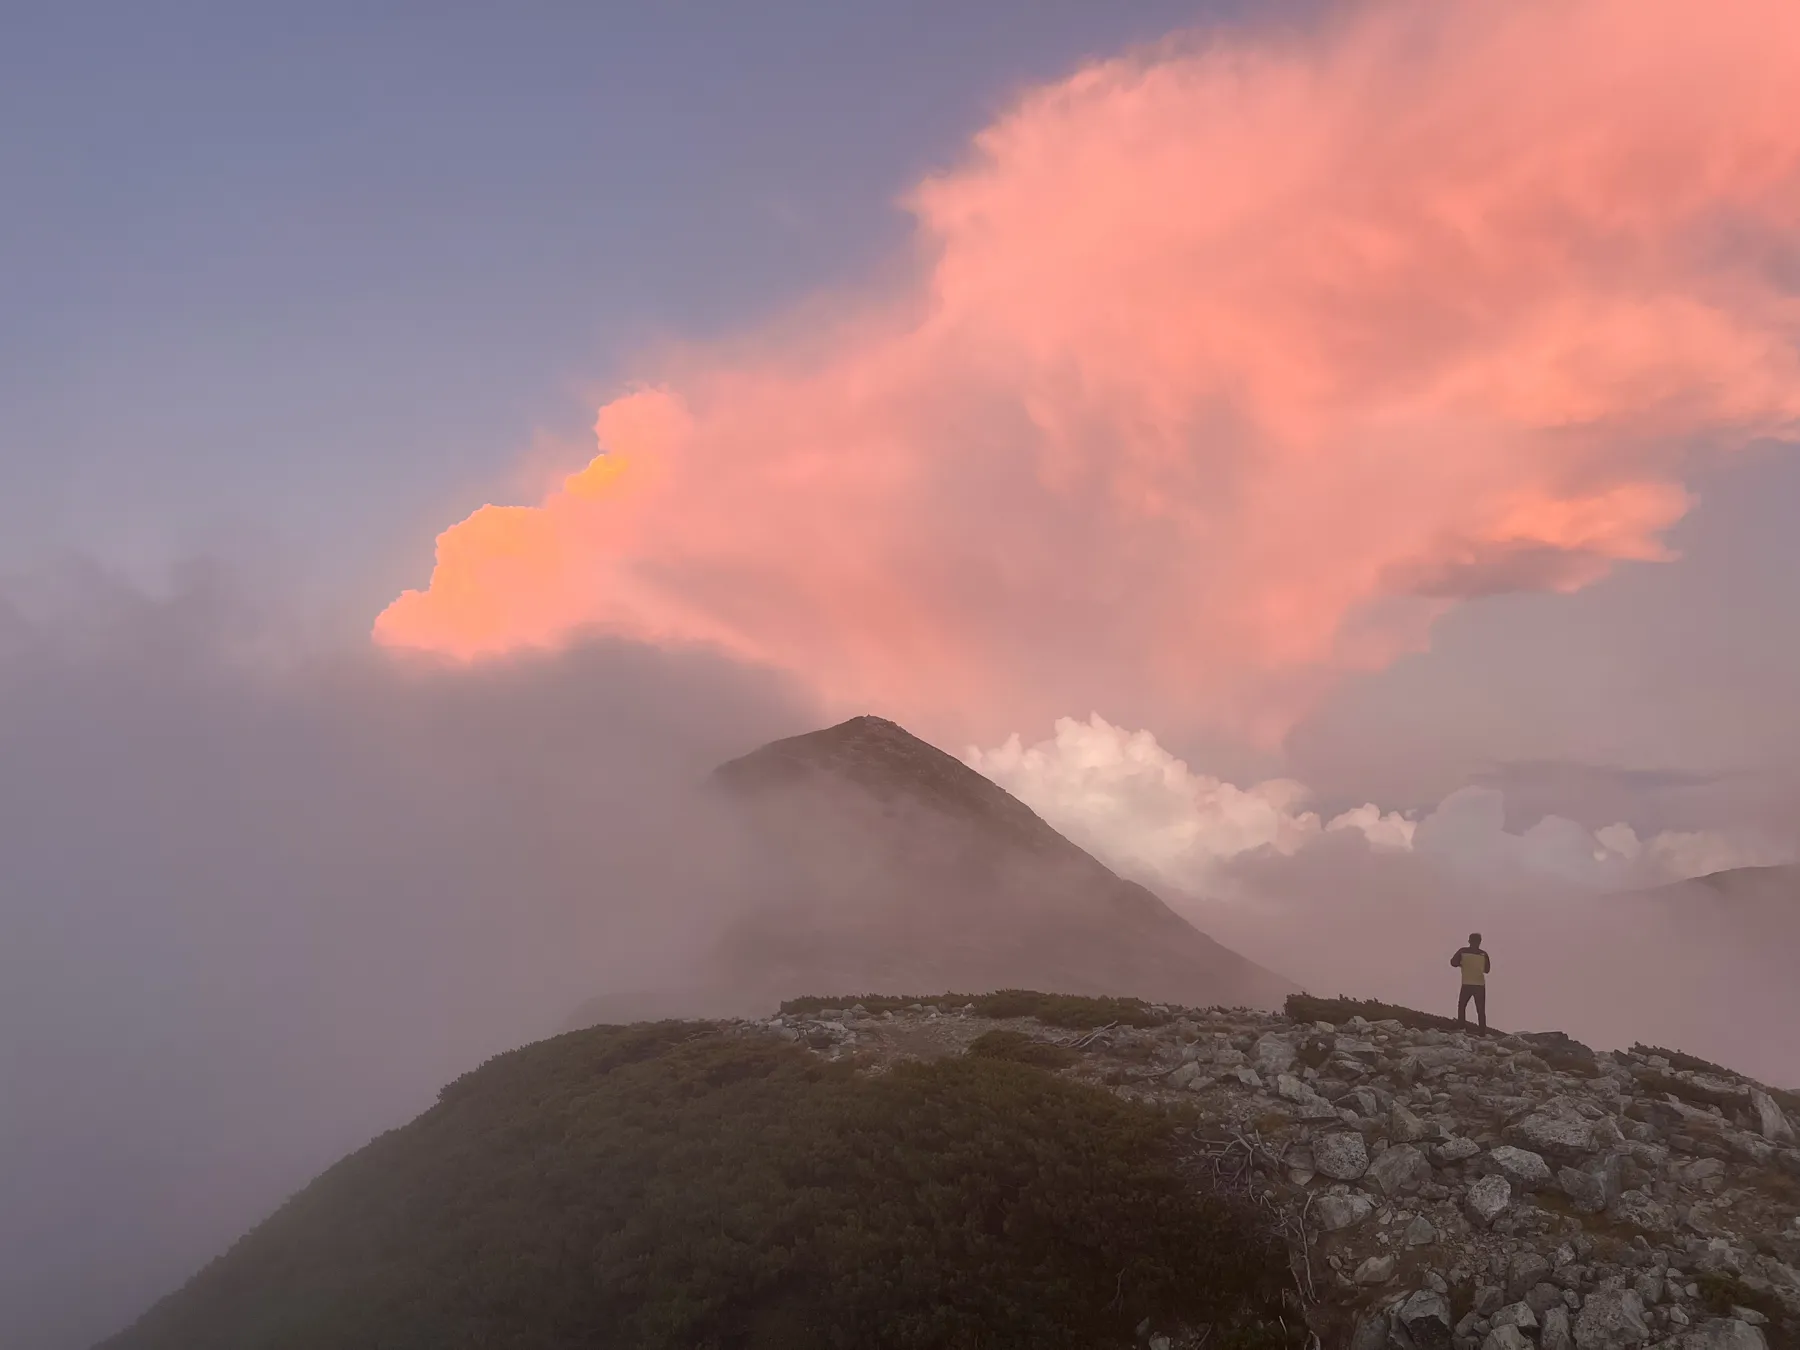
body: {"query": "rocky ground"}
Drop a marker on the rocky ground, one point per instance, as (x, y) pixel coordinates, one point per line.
(1443, 1190)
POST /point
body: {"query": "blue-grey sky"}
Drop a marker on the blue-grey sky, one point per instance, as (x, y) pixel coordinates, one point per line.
(317, 278)
(303, 285)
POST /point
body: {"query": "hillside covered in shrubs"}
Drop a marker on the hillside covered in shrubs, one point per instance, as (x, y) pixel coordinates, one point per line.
(706, 1185)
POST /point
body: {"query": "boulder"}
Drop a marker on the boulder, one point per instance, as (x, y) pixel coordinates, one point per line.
(1555, 1333)
(1639, 1210)
(1506, 1338)
(1564, 1138)
(1404, 1127)
(1724, 1333)
(1375, 1270)
(1371, 1332)
(1399, 1169)
(1775, 1126)
(1525, 1169)
(1273, 1055)
(1542, 1297)
(1487, 1199)
(1183, 1075)
(1341, 1155)
(1338, 1212)
(1524, 1271)
(1517, 1315)
(1611, 1319)
(1426, 1317)
(1453, 1151)
(1587, 1191)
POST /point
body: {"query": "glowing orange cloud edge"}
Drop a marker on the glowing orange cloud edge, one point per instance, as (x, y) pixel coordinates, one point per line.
(1228, 368)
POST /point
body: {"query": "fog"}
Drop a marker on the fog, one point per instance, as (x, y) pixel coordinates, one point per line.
(260, 900)
(1679, 966)
(256, 906)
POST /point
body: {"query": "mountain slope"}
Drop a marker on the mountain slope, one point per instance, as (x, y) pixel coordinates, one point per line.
(681, 1186)
(896, 866)
(1041, 1171)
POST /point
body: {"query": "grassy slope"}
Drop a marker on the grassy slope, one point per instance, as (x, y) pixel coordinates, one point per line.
(669, 1185)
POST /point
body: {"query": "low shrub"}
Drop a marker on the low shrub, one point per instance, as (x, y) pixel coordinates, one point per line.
(1073, 1011)
(1337, 1011)
(680, 1188)
(1021, 1049)
(1787, 1100)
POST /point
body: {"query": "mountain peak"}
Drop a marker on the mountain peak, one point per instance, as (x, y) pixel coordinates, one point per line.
(904, 866)
(889, 763)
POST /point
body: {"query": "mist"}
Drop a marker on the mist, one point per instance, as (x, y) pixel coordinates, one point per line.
(1677, 966)
(257, 905)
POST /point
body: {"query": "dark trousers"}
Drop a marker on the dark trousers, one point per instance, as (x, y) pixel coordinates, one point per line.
(1478, 992)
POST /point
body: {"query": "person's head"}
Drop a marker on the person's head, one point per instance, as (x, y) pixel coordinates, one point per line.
(1474, 939)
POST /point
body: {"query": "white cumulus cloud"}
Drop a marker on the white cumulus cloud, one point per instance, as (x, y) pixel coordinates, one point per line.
(1132, 803)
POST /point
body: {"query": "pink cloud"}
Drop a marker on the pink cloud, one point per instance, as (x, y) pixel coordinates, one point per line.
(1227, 367)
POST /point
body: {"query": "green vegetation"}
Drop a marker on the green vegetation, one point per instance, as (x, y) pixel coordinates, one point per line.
(1650, 1080)
(1686, 1063)
(1337, 1011)
(1021, 1049)
(1073, 1011)
(677, 1185)
(1721, 1291)
(1679, 1060)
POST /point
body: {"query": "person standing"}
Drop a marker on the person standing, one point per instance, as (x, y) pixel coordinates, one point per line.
(1475, 965)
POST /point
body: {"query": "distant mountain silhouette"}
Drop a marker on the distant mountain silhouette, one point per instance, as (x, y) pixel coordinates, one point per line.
(1761, 903)
(899, 867)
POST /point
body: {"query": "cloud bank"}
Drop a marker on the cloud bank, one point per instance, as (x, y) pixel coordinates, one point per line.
(1225, 368)
(255, 910)
(1126, 799)
(1370, 902)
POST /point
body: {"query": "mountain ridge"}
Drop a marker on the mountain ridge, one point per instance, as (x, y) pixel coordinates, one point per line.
(889, 863)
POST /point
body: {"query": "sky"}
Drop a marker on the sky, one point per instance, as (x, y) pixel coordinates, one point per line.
(1336, 461)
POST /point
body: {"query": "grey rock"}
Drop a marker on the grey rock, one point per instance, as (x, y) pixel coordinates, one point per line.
(1750, 1148)
(1542, 1297)
(1525, 1169)
(1342, 1155)
(1703, 1170)
(1649, 1287)
(1420, 1233)
(1517, 1315)
(1525, 1270)
(1338, 1212)
(1564, 1138)
(1404, 1127)
(1488, 1199)
(1724, 1333)
(1399, 1169)
(1611, 1319)
(1640, 1211)
(1426, 1317)
(1371, 1332)
(1555, 1333)
(1489, 1299)
(1587, 1191)
(1183, 1075)
(1453, 1151)
(1506, 1338)
(1273, 1055)
(1375, 1270)
(1249, 1077)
